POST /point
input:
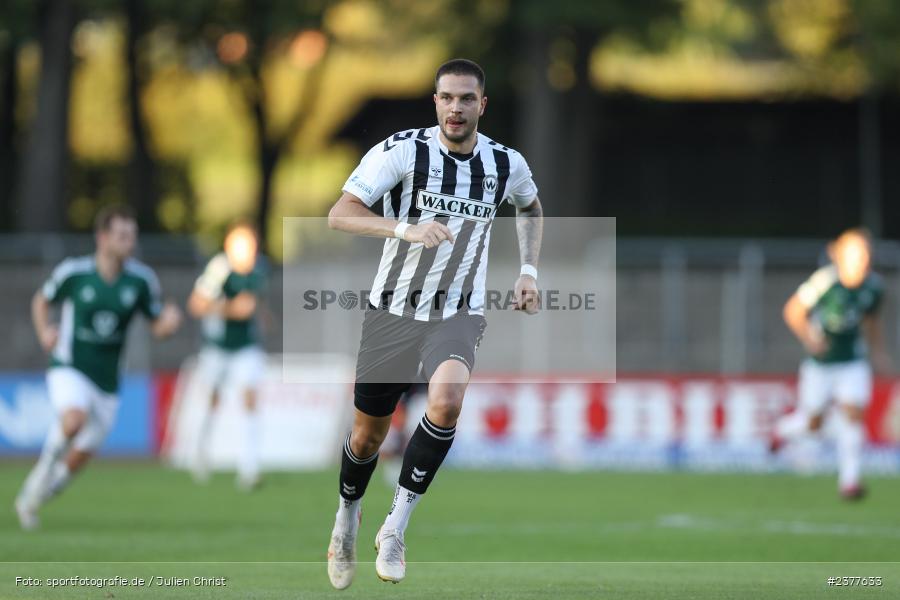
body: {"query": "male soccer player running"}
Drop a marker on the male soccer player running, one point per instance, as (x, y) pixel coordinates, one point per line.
(227, 297)
(439, 189)
(99, 296)
(833, 314)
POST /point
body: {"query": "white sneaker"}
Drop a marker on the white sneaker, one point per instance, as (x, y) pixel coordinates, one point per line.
(248, 483)
(28, 514)
(342, 557)
(200, 470)
(390, 565)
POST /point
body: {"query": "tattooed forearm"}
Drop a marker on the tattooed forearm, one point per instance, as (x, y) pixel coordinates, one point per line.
(530, 227)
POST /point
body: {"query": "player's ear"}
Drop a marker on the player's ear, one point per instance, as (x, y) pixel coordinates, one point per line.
(483, 105)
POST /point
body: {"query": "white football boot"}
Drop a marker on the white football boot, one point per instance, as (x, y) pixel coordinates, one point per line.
(390, 565)
(200, 470)
(342, 556)
(28, 513)
(248, 483)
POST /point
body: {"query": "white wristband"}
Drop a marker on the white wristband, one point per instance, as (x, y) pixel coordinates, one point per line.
(400, 230)
(529, 270)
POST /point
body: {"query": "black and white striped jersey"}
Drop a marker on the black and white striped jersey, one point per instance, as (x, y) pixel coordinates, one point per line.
(418, 180)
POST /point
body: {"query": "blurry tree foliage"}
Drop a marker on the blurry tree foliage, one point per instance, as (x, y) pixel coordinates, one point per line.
(200, 111)
(743, 49)
(16, 28)
(557, 99)
(294, 72)
(41, 183)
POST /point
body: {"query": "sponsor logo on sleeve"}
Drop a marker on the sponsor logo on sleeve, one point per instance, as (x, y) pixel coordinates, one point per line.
(359, 184)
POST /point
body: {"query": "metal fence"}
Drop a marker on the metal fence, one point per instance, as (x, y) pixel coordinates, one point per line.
(683, 305)
(715, 306)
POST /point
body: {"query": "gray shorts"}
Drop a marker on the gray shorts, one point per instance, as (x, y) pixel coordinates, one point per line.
(395, 352)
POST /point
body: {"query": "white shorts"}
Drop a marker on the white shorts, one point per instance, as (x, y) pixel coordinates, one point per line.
(847, 383)
(240, 369)
(69, 389)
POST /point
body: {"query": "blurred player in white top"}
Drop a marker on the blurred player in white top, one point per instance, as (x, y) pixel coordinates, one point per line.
(227, 297)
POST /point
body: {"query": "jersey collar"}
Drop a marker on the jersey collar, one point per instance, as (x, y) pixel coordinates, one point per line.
(456, 155)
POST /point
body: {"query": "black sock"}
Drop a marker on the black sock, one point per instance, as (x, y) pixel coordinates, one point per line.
(355, 473)
(424, 454)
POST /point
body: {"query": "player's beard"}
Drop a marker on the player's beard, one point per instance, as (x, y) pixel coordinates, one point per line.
(465, 134)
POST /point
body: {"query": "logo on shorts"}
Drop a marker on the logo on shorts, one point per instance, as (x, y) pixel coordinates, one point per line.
(105, 322)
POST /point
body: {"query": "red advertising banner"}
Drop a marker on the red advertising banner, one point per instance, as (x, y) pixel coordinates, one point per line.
(640, 421)
(665, 407)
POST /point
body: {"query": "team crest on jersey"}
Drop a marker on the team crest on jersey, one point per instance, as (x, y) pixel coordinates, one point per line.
(128, 295)
(489, 184)
(105, 322)
(454, 206)
(87, 294)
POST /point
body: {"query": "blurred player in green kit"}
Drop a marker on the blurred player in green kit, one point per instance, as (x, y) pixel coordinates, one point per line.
(227, 297)
(98, 295)
(834, 314)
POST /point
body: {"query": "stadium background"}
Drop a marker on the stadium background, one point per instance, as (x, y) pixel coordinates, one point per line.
(729, 138)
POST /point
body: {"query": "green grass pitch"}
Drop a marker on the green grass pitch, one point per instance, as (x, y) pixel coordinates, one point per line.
(478, 535)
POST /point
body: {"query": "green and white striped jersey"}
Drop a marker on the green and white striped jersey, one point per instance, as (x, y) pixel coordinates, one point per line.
(96, 313)
(839, 312)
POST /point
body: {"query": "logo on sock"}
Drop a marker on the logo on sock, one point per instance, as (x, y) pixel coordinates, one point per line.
(348, 489)
(394, 503)
(418, 476)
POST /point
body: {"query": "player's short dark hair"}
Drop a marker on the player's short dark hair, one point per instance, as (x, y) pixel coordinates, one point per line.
(460, 66)
(110, 212)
